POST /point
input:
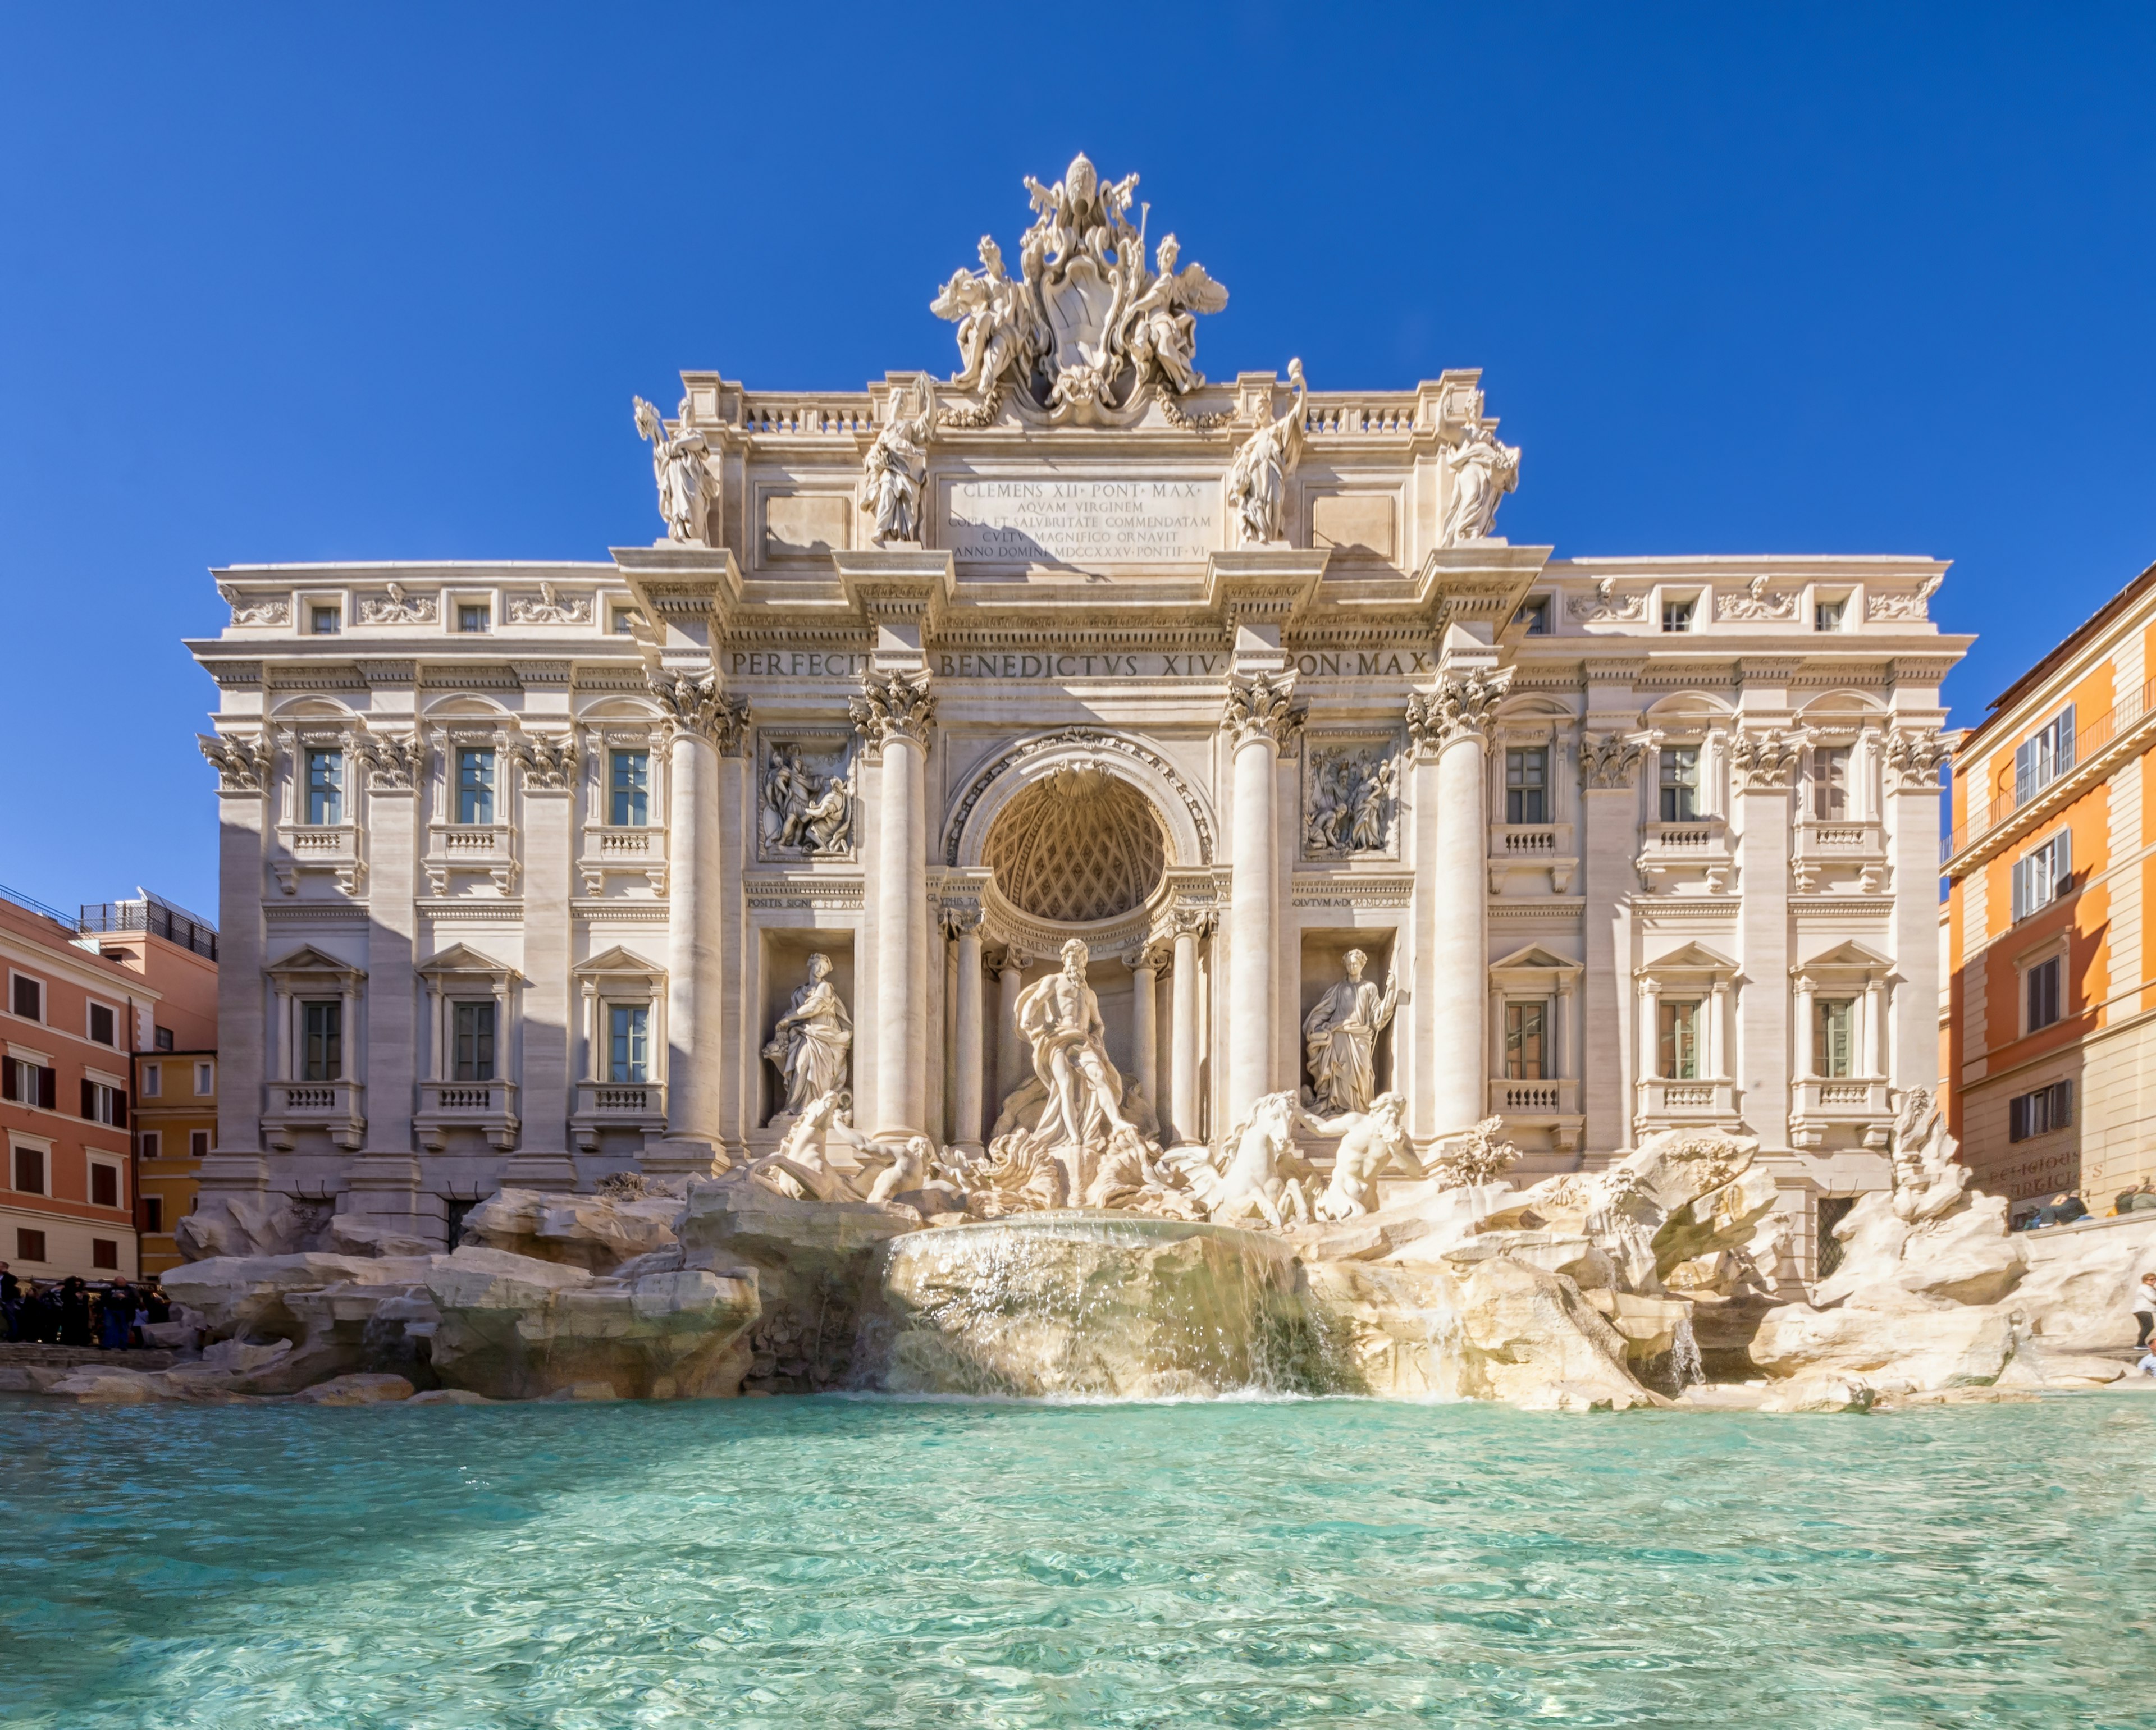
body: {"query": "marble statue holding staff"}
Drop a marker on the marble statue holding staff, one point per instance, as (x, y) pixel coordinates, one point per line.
(677, 464)
(1483, 471)
(809, 1042)
(1339, 1037)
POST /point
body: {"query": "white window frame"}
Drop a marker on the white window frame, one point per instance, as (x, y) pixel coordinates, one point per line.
(119, 1184)
(205, 1071)
(44, 998)
(151, 1143)
(1694, 599)
(38, 1144)
(2042, 875)
(2046, 754)
(2024, 969)
(119, 1021)
(152, 1083)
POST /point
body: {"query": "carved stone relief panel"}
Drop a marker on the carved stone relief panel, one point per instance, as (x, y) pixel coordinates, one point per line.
(806, 794)
(1351, 797)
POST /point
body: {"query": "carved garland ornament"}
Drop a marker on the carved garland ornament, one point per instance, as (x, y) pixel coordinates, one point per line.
(1765, 761)
(1609, 760)
(894, 705)
(1462, 704)
(271, 610)
(242, 763)
(1606, 605)
(1264, 707)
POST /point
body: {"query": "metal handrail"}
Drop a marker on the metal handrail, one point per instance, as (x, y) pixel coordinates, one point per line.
(2088, 740)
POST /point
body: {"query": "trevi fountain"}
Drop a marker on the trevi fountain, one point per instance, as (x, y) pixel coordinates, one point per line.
(1105, 924)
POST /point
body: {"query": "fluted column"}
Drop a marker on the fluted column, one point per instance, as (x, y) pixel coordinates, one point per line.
(1452, 723)
(893, 713)
(966, 1118)
(1262, 720)
(1182, 1076)
(701, 721)
(1145, 1026)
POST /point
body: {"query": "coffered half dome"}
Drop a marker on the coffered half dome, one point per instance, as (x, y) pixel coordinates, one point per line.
(1080, 846)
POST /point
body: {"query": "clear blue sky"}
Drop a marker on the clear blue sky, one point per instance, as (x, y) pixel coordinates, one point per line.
(322, 283)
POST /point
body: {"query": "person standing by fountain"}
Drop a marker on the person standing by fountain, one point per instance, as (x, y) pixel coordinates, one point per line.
(809, 1042)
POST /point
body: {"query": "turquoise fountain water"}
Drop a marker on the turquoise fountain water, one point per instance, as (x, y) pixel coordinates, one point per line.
(842, 1562)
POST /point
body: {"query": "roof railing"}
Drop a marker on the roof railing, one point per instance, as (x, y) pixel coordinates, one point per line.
(2087, 742)
(154, 914)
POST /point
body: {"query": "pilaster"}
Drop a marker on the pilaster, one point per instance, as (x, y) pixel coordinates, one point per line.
(243, 764)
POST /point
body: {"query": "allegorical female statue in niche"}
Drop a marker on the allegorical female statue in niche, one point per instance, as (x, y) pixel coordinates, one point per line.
(1339, 1037)
(810, 1041)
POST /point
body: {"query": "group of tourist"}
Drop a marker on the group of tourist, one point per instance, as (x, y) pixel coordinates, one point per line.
(2066, 1207)
(109, 1316)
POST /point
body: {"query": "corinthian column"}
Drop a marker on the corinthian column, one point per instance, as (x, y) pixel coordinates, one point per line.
(701, 722)
(1183, 1075)
(893, 714)
(966, 1115)
(1262, 720)
(1451, 724)
(1010, 1049)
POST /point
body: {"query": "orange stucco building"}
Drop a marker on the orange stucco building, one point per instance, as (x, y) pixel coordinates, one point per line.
(2051, 1059)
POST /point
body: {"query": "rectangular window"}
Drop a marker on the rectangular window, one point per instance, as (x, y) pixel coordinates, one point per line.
(101, 1104)
(104, 1252)
(475, 784)
(2041, 1112)
(1834, 1023)
(1677, 614)
(628, 1051)
(631, 783)
(2042, 758)
(198, 1144)
(321, 1054)
(2045, 995)
(1680, 783)
(29, 1246)
(103, 1186)
(162, 1039)
(1537, 613)
(325, 787)
(153, 1213)
(1527, 1057)
(623, 621)
(26, 1083)
(29, 998)
(1830, 614)
(205, 1080)
(326, 620)
(153, 1144)
(472, 1033)
(30, 1171)
(153, 1080)
(2041, 876)
(1526, 784)
(474, 616)
(1830, 783)
(103, 1024)
(1679, 1042)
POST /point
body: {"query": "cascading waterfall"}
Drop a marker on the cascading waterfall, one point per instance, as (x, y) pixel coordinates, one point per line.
(1092, 1305)
(1685, 1369)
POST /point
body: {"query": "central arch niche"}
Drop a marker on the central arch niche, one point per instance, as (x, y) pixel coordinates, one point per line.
(1078, 848)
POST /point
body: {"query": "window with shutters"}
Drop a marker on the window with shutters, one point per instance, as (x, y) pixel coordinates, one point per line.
(27, 997)
(472, 1035)
(105, 1253)
(1830, 783)
(104, 1184)
(1834, 1037)
(29, 1246)
(322, 1042)
(152, 1143)
(630, 788)
(30, 1172)
(104, 1024)
(2043, 991)
(2041, 1112)
(1526, 784)
(1527, 1039)
(198, 1144)
(103, 1104)
(2045, 756)
(153, 1213)
(1679, 1040)
(2040, 875)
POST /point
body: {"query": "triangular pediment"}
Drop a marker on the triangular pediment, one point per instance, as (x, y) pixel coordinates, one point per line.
(461, 958)
(619, 961)
(1535, 955)
(1691, 956)
(1850, 954)
(307, 958)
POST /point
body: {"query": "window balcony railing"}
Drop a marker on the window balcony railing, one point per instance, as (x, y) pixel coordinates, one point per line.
(623, 851)
(1555, 1097)
(2087, 743)
(617, 1105)
(1698, 845)
(1839, 846)
(489, 1107)
(338, 1107)
(159, 918)
(1664, 1102)
(1546, 847)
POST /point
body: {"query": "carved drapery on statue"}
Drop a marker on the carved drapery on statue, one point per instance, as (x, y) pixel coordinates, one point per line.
(810, 1042)
(1483, 471)
(807, 806)
(1257, 479)
(1340, 1039)
(1085, 333)
(677, 465)
(896, 470)
(1351, 803)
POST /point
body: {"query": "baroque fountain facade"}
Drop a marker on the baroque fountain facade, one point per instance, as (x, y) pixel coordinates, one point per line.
(1074, 825)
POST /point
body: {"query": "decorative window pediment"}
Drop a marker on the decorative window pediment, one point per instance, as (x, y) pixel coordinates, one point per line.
(308, 964)
(460, 961)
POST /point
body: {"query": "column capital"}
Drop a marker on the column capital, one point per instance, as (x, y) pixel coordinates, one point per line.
(1609, 761)
(549, 765)
(1263, 707)
(392, 761)
(695, 704)
(1765, 760)
(1914, 757)
(892, 706)
(962, 922)
(242, 761)
(1461, 705)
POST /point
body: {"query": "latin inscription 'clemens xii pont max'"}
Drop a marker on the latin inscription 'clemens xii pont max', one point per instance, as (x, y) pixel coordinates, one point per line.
(1083, 522)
